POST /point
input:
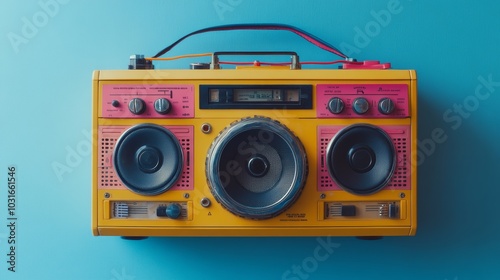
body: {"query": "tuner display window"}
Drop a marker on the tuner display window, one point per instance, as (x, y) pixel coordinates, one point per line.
(255, 96)
(266, 95)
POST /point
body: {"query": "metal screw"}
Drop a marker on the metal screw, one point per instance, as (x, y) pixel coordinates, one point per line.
(402, 195)
(107, 195)
(322, 196)
(186, 195)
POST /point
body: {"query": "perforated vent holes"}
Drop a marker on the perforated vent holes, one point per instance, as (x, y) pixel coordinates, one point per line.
(108, 178)
(107, 140)
(401, 141)
(400, 178)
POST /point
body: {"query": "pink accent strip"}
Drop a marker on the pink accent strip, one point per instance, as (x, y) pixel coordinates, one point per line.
(181, 98)
(398, 93)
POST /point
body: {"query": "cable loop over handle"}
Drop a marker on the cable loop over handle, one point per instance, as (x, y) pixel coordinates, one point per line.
(309, 37)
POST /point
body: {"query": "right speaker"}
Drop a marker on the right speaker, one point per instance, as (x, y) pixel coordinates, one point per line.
(361, 159)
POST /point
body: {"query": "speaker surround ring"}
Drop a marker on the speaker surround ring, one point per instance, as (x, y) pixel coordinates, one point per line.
(361, 159)
(148, 159)
(256, 168)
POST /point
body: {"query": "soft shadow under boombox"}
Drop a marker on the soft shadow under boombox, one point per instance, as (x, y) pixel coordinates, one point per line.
(257, 151)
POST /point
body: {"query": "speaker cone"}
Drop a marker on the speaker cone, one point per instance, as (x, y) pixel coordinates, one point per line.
(256, 168)
(361, 159)
(148, 159)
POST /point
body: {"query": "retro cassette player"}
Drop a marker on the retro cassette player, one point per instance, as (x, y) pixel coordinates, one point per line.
(266, 149)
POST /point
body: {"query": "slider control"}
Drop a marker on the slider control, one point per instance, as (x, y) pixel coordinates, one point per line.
(348, 210)
(172, 211)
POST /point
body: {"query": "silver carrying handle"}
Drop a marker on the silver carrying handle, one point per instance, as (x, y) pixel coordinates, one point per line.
(294, 63)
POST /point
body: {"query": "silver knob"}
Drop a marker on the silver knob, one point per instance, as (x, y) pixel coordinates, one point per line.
(386, 106)
(162, 106)
(336, 105)
(360, 105)
(137, 106)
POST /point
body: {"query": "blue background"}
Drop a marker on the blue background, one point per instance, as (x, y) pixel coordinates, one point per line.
(46, 111)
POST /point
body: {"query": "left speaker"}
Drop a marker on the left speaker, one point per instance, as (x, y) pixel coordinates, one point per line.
(256, 168)
(148, 159)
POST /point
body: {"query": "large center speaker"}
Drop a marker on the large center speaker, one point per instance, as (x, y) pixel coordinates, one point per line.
(256, 168)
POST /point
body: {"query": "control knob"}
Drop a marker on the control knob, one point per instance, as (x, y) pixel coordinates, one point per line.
(360, 105)
(162, 106)
(173, 210)
(386, 106)
(336, 105)
(136, 106)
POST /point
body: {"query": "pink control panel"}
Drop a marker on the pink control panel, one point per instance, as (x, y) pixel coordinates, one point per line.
(147, 101)
(362, 101)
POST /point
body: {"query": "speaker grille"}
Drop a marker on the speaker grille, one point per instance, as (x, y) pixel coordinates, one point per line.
(108, 135)
(108, 178)
(400, 136)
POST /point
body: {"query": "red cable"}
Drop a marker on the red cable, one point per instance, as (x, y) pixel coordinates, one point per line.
(288, 63)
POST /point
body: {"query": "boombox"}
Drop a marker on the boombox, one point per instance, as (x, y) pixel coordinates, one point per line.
(261, 150)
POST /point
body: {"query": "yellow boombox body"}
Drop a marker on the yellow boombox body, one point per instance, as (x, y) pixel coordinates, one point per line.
(258, 151)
